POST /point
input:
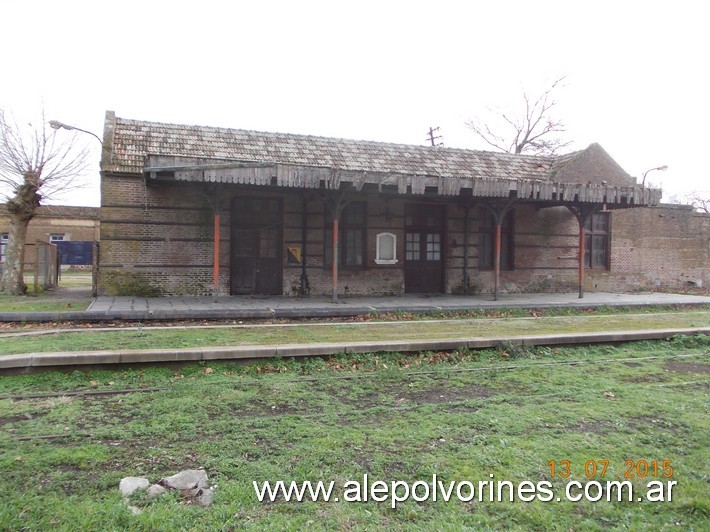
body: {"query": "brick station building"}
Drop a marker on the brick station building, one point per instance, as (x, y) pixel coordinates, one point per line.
(202, 210)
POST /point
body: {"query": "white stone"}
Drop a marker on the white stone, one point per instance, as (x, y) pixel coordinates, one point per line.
(130, 484)
(185, 480)
(155, 490)
(205, 498)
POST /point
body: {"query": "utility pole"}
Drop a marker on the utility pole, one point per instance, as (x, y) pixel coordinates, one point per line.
(433, 138)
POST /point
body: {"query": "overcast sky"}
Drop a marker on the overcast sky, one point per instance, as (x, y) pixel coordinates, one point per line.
(636, 72)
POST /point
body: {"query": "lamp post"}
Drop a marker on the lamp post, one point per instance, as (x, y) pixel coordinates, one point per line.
(56, 124)
(661, 168)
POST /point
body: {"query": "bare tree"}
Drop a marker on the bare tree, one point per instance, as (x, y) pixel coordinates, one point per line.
(700, 200)
(34, 165)
(535, 130)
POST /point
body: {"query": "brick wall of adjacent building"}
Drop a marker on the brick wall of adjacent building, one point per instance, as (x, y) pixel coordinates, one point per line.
(660, 247)
(79, 224)
(159, 239)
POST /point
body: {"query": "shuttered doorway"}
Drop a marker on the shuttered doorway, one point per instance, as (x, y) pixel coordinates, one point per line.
(424, 248)
(256, 246)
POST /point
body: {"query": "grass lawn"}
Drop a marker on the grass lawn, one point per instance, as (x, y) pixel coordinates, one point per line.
(72, 294)
(250, 334)
(43, 303)
(76, 279)
(341, 418)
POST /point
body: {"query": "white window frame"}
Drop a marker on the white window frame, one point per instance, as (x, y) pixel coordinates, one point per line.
(4, 239)
(378, 256)
(57, 237)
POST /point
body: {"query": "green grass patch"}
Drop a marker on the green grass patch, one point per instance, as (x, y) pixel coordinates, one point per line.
(76, 279)
(43, 303)
(245, 335)
(72, 294)
(515, 312)
(462, 416)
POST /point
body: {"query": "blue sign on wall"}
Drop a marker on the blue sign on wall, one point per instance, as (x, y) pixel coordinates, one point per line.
(76, 253)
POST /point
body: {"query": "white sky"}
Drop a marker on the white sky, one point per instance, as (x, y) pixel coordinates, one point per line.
(636, 72)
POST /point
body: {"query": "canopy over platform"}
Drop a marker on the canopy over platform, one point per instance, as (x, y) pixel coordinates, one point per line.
(165, 152)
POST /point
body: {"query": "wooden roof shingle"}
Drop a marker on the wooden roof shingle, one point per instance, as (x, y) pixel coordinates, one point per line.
(130, 141)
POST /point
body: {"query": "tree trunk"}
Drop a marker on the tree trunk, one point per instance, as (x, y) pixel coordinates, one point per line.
(22, 207)
(13, 281)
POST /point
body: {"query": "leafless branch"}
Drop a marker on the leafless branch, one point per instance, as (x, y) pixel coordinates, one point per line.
(55, 162)
(700, 200)
(534, 130)
(34, 165)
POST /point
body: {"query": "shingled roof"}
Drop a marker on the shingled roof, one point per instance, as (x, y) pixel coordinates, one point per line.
(212, 154)
(132, 140)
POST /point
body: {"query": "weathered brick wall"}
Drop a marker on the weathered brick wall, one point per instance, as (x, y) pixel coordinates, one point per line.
(545, 251)
(373, 279)
(155, 239)
(667, 246)
(159, 238)
(596, 166)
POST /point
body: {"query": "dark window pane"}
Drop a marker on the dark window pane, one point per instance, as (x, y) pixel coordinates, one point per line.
(485, 251)
(353, 247)
(268, 244)
(599, 251)
(412, 246)
(433, 247)
(505, 247)
(596, 241)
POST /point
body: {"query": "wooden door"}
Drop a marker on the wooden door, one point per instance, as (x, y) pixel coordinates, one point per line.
(256, 245)
(423, 249)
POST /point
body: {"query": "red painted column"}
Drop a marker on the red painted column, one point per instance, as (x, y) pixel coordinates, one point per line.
(215, 257)
(335, 260)
(496, 261)
(581, 260)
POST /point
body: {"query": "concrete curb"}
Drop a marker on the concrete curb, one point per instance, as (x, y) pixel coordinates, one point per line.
(226, 353)
(296, 313)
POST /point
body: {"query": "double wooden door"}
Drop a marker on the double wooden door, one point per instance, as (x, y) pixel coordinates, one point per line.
(256, 246)
(423, 248)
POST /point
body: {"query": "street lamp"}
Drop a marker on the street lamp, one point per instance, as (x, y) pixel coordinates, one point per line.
(56, 124)
(661, 168)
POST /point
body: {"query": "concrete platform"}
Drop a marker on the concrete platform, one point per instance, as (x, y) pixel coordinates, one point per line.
(11, 364)
(245, 307)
